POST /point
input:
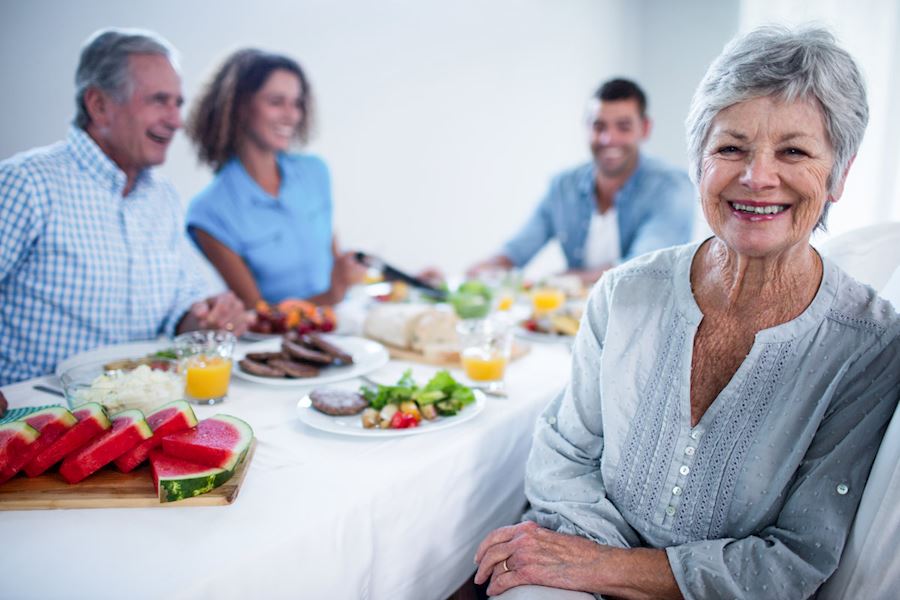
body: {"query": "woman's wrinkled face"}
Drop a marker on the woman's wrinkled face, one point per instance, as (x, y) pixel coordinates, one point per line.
(274, 112)
(764, 178)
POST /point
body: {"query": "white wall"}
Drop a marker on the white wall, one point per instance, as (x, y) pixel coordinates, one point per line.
(442, 121)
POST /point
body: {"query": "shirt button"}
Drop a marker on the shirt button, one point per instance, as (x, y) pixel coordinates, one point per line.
(842, 489)
(684, 470)
(689, 450)
(551, 420)
(695, 435)
(676, 491)
(670, 510)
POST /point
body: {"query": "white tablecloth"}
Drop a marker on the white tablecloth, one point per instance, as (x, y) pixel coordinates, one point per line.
(318, 516)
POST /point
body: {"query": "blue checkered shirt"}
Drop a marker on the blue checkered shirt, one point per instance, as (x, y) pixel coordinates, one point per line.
(81, 265)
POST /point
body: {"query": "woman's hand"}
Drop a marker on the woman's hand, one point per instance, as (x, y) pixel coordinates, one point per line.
(529, 554)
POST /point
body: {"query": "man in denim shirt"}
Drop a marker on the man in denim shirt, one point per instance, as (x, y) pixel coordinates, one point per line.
(618, 206)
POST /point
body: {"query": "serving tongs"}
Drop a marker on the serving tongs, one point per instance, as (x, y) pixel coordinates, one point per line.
(391, 273)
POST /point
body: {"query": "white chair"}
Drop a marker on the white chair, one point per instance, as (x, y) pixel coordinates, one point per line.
(870, 565)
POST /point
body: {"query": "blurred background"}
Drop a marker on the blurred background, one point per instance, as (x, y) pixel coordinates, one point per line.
(443, 122)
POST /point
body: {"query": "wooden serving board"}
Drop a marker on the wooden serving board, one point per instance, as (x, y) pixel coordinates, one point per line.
(109, 488)
(447, 359)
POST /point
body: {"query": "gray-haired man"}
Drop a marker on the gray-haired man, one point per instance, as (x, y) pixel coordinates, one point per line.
(92, 249)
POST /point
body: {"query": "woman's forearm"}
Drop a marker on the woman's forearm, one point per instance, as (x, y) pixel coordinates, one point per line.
(636, 573)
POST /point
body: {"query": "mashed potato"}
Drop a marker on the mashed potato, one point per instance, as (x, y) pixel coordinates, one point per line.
(143, 388)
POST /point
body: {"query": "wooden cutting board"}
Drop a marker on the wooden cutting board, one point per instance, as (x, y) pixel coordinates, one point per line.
(110, 489)
(450, 360)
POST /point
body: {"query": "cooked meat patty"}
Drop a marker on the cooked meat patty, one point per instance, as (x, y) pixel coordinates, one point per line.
(294, 369)
(337, 402)
(315, 340)
(265, 356)
(257, 368)
(298, 352)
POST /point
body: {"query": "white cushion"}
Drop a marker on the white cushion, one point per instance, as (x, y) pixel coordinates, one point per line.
(869, 254)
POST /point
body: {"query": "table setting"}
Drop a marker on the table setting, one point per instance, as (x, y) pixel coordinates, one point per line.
(321, 506)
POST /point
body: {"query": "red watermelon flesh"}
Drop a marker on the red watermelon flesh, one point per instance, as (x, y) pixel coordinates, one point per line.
(52, 422)
(92, 421)
(177, 479)
(220, 441)
(16, 441)
(170, 418)
(128, 430)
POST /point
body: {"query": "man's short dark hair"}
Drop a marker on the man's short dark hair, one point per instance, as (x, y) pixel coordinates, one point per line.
(622, 89)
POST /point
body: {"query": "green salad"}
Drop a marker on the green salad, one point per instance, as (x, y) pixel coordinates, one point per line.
(444, 393)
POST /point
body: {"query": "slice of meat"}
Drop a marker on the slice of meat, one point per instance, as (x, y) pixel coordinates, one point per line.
(294, 369)
(337, 402)
(265, 356)
(260, 369)
(302, 353)
(316, 341)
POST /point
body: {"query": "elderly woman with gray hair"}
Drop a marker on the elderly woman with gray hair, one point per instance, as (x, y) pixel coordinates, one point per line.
(727, 398)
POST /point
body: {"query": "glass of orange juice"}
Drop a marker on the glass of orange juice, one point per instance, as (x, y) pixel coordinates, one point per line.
(205, 358)
(545, 300)
(485, 346)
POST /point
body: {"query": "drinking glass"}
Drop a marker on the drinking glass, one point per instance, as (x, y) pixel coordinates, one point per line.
(546, 300)
(206, 361)
(485, 346)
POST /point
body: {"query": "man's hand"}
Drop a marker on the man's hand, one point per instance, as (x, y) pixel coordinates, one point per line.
(224, 311)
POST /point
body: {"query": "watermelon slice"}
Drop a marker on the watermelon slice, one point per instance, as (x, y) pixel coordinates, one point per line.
(92, 421)
(128, 430)
(177, 479)
(16, 441)
(220, 441)
(170, 418)
(52, 422)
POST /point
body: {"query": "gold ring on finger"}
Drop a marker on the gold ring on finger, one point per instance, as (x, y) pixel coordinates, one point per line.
(506, 568)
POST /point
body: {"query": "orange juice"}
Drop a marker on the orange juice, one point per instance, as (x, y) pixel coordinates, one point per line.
(546, 300)
(481, 366)
(208, 377)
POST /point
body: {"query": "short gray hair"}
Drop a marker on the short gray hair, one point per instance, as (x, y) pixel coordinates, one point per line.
(104, 64)
(805, 63)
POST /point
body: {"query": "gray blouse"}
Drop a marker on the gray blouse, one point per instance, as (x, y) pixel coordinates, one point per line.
(755, 501)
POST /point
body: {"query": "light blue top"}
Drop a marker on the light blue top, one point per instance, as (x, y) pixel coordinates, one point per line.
(285, 240)
(655, 209)
(82, 266)
(755, 501)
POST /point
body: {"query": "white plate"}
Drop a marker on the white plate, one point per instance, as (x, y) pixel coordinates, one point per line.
(127, 350)
(352, 425)
(367, 356)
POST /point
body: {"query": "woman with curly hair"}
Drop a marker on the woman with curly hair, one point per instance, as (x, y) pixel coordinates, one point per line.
(265, 220)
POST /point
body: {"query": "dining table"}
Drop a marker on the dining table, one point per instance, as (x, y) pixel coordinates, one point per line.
(319, 514)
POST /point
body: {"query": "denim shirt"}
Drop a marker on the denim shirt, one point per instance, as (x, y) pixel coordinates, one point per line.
(655, 209)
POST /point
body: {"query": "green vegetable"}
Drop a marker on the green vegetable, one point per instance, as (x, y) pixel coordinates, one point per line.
(471, 300)
(445, 393)
(168, 353)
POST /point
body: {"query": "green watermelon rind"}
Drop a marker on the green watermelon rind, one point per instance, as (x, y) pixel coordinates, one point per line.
(172, 490)
(206, 479)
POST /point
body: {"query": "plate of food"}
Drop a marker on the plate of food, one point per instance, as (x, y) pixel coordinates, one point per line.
(302, 360)
(392, 410)
(558, 326)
